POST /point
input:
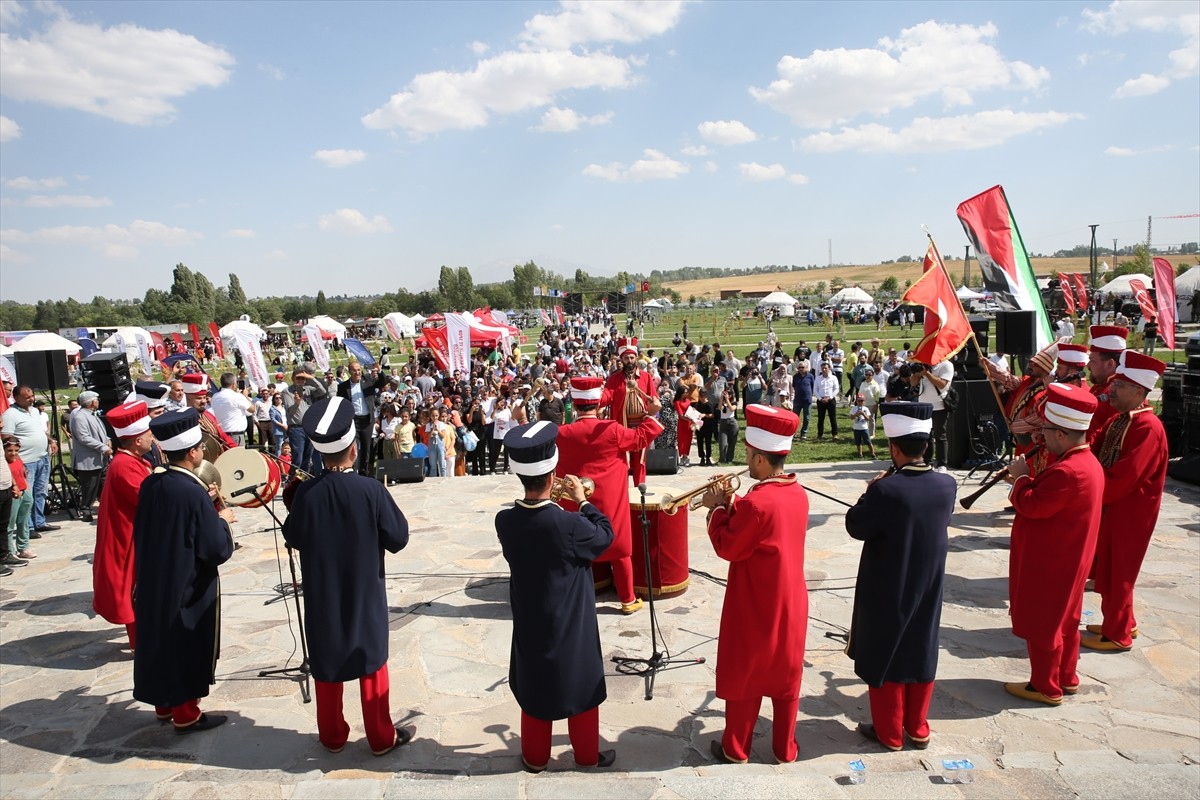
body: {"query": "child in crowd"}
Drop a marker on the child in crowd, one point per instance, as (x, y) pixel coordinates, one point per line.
(18, 520)
(860, 421)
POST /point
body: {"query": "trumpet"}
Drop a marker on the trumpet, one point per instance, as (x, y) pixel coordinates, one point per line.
(559, 487)
(692, 499)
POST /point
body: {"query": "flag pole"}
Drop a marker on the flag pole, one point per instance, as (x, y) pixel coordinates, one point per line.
(974, 341)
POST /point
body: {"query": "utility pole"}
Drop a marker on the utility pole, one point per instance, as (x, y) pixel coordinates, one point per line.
(1093, 262)
(1149, 222)
(967, 266)
(1114, 264)
(831, 252)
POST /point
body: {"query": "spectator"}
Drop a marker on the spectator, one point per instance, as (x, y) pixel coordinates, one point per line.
(298, 397)
(754, 388)
(684, 426)
(175, 398)
(933, 383)
(406, 434)
(860, 417)
(708, 429)
(90, 450)
(361, 396)
(7, 490)
(230, 407)
(435, 440)
(727, 428)
(501, 422)
(18, 522)
(262, 419)
(826, 391)
(28, 425)
(872, 392)
(279, 426)
(836, 357)
(803, 385)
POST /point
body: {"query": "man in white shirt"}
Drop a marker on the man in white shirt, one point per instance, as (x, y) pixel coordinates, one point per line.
(837, 359)
(826, 393)
(934, 382)
(1066, 329)
(230, 407)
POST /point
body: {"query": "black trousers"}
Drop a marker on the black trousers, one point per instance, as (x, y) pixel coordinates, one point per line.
(362, 435)
(935, 452)
(826, 408)
(708, 432)
(726, 439)
(89, 487)
(5, 512)
(494, 454)
(477, 458)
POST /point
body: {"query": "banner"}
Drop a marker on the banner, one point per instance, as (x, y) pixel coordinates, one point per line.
(558, 313)
(1080, 290)
(88, 346)
(216, 337)
(1003, 259)
(194, 329)
(8, 373)
(1064, 283)
(537, 291)
(320, 355)
(1142, 295)
(160, 346)
(435, 340)
(946, 326)
(143, 351)
(544, 318)
(359, 351)
(119, 340)
(256, 367)
(1164, 290)
(458, 343)
(179, 346)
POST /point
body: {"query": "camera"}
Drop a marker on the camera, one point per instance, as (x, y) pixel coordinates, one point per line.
(917, 369)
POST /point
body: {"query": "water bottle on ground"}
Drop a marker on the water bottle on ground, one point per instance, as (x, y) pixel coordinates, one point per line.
(858, 771)
(958, 770)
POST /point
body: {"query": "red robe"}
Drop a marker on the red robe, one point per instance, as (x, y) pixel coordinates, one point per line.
(1104, 409)
(1053, 542)
(613, 398)
(596, 448)
(112, 563)
(1023, 403)
(764, 619)
(1135, 469)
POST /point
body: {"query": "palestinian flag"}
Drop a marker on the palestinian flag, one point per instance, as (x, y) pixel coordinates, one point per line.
(1007, 273)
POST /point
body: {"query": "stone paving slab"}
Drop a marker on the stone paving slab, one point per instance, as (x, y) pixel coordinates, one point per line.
(69, 727)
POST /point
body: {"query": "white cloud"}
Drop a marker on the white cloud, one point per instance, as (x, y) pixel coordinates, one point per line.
(585, 21)
(654, 166)
(11, 13)
(928, 60)
(124, 72)
(798, 179)
(339, 158)
(275, 255)
(9, 130)
(273, 71)
(556, 227)
(478, 48)
(697, 150)
(7, 254)
(59, 201)
(726, 132)
(758, 172)
(1159, 16)
(240, 233)
(929, 135)
(351, 220)
(112, 241)
(710, 166)
(1128, 151)
(565, 120)
(31, 184)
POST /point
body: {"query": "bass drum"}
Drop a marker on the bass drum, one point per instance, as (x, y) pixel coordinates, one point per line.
(240, 468)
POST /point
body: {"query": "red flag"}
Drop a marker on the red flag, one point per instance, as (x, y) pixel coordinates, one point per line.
(1080, 290)
(1138, 287)
(558, 313)
(1164, 290)
(946, 326)
(179, 348)
(1064, 283)
(160, 346)
(218, 345)
(194, 329)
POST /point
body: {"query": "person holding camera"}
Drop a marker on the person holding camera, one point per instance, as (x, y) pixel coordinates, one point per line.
(932, 384)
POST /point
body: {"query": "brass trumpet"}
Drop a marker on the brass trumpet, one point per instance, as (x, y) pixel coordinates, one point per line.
(559, 488)
(692, 499)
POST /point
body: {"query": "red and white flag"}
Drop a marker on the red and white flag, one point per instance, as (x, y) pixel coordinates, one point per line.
(544, 318)
(216, 337)
(1064, 283)
(1164, 290)
(1080, 290)
(946, 326)
(1142, 295)
(558, 314)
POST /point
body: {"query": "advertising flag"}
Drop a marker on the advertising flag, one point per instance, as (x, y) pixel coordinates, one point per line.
(946, 326)
(195, 331)
(1080, 290)
(1142, 295)
(179, 347)
(216, 337)
(320, 354)
(160, 345)
(558, 313)
(1064, 283)
(1164, 291)
(458, 342)
(143, 352)
(1003, 259)
(256, 366)
(544, 318)
(359, 351)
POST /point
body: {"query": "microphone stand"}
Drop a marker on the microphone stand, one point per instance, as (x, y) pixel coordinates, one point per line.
(649, 668)
(301, 673)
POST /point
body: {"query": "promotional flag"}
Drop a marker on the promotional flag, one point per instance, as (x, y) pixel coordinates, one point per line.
(499, 317)
(216, 337)
(645, 286)
(143, 351)
(88, 346)
(359, 351)
(946, 326)
(1142, 295)
(1064, 283)
(1080, 290)
(320, 354)
(630, 288)
(195, 331)
(80, 334)
(179, 348)
(558, 313)
(458, 343)
(160, 345)
(537, 291)
(544, 318)
(256, 366)
(1003, 260)
(8, 373)
(1164, 290)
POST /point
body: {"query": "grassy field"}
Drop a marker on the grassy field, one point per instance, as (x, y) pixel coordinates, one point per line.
(865, 275)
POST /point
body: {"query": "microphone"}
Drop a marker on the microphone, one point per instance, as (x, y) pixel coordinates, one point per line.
(642, 488)
(247, 490)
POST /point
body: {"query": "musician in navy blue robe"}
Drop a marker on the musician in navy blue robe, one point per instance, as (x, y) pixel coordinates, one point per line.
(154, 395)
(556, 669)
(902, 521)
(342, 522)
(179, 541)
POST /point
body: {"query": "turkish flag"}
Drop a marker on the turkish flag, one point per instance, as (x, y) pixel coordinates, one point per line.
(216, 337)
(1064, 282)
(1080, 290)
(1142, 295)
(946, 326)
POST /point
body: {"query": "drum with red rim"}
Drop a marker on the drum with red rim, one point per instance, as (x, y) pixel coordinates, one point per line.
(668, 547)
(241, 468)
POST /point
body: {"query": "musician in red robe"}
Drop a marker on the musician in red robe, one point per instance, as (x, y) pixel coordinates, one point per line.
(112, 562)
(1105, 345)
(1132, 449)
(1021, 397)
(629, 408)
(596, 448)
(195, 387)
(764, 619)
(1053, 542)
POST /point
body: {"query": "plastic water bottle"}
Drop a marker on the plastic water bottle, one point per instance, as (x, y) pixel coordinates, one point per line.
(958, 770)
(858, 771)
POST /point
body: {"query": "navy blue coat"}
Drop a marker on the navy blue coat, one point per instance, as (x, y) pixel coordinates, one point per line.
(556, 669)
(179, 541)
(341, 523)
(902, 521)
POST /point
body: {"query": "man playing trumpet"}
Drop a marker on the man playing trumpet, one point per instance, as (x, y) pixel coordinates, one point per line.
(627, 395)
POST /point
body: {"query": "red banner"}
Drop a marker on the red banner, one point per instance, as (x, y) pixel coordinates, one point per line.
(1081, 290)
(218, 345)
(160, 346)
(1064, 282)
(1164, 290)
(179, 346)
(194, 329)
(558, 313)
(1142, 295)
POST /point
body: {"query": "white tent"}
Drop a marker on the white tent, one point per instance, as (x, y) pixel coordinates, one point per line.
(45, 340)
(397, 325)
(782, 302)
(665, 302)
(279, 326)
(419, 318)
(1188, 282)
(969, 294)
(652, 304)
(1121, 285)
(130, 335)
(227, 331)
(851, 294)
(328, 325)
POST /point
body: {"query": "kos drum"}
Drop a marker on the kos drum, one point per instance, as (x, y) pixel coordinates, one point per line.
(668, 547)
(239, 469)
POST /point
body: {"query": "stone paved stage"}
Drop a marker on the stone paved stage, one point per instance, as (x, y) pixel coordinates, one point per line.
(69, 727)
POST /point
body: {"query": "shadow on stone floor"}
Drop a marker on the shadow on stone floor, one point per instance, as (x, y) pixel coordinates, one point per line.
(71, 649)
(981, 643)
(58, 605)
(964, 543)
(976, 592)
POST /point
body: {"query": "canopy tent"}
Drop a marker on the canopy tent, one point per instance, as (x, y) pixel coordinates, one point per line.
(851, 294)
(1188, 282)
(279, 327)
(328, 325)
(130, 335)
(783, 302)
(969, 294)
(241, 325)
(652, 304)
(44, 340)
(418, 318)
(1120, 285)
(665, 302)
(399, 326)
(5, 350)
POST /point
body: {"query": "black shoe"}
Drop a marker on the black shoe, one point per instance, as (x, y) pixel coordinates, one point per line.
(87, 517)
(45, 528)
(718, 752)
(5, 570)
(607, 757)
(868, 732)
(12, 561)
(206, 722)
(34, 535)
(403, 737)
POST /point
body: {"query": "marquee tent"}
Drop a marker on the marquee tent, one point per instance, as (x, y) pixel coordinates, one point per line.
(851, 294)
(969, 294)
(399, 325)
(1188, 282)
(328, 325)
(44, 340)
(1120, 285)
(279, 327)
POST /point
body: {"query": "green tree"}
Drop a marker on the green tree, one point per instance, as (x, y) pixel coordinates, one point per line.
(1139, 264)
(237, 296)
(464, 288)
(497, 295)
(821, 288)
(525, 277)
(890, 285)
(581, 277)
(447, 286)
(837, 283)
(321, 306)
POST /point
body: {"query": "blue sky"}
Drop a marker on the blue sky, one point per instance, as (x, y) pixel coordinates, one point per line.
(356, 147)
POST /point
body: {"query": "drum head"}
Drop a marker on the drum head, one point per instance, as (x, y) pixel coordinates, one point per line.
(240, 468)
(653, 500)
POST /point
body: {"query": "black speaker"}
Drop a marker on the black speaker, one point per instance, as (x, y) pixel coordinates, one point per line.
(975, 430)
(107, 374)
(400, 470)
(42, 369)
(663, 461)
(104, 363)
(1016, 333)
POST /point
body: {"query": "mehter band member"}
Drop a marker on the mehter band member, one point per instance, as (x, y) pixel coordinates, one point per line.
(214, 440)
(341, 522)
(1053, 543)
(112, 563)
(556, 669)
(1106, 343)
(627, 393)
(1132, 449)
(156, 396)
(764, 619)
(595, 448)
(902, 520)
(179, 540)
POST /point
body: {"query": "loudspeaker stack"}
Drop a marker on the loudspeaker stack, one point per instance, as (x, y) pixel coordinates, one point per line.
(107, 374)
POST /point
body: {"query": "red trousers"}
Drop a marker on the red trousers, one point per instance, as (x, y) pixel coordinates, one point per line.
(1052, 664)
(1119, 559)
(683, 437)
(900, 707)
(740, 717)
(377, 716)
(182, 715)
(622, 576)
(584, 730)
